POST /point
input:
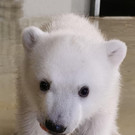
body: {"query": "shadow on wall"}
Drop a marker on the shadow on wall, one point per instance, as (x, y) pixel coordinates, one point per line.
(117, 8)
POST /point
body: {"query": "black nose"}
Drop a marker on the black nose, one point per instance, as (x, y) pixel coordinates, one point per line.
(54, 127)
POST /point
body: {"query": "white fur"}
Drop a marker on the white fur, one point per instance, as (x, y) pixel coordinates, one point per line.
(71, 53)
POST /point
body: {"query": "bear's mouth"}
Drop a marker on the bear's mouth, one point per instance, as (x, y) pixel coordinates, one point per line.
(44, 128)
(50, 132)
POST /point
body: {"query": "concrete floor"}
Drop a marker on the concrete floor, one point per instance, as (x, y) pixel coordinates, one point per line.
(10, 48)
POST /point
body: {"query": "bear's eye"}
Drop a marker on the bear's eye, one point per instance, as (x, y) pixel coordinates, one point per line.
(44, 85)
(84, 91)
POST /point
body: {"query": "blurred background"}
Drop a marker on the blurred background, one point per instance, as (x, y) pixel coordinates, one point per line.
(115, 18)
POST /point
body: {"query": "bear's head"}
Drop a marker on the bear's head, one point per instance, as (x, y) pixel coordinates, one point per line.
(69, 78)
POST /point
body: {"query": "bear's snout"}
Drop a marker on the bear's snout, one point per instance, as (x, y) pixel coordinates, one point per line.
(54, 127)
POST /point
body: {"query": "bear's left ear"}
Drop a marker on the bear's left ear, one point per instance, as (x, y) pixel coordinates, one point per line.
(31, 35)
(116, 51)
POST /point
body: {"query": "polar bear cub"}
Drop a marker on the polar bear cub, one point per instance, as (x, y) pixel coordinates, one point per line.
(69, 79)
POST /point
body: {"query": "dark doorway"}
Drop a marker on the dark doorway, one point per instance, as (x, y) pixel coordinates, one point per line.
(117, 8)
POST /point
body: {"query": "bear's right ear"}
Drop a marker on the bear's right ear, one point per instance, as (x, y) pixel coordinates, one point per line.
(31, 36)
(116, 51)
